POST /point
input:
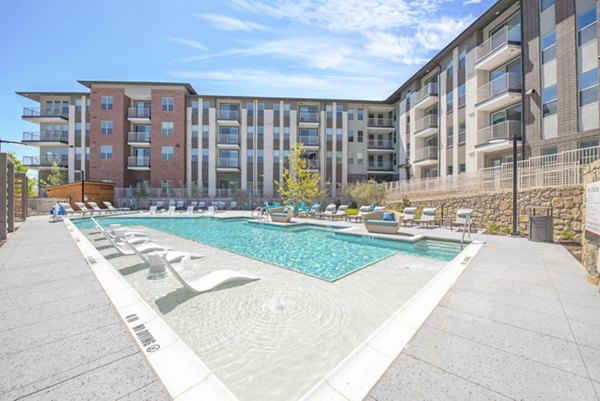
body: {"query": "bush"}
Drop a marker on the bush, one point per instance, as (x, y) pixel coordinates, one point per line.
(367, 192)
(506, 230)
(492, 227)
(352, 211)
(567, 236)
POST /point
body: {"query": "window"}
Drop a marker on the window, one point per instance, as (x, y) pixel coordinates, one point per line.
(586, 26)
(105, 152)
(166, 186)
(329, 134)
(350, 114)
(338, 134)
(588, 87)
(286, 133)
(462, 132)
(260, 133)
(350, 158)
(286, 110)
(338, 111)
(360, 114)
(450, 136)
(194, 155)
(167, 103)
(552, 150)
(260, 107)
(194, 107)
(276, 157)
(549, 100)
(545, 4)
(329, 110)
(276, 133)
(78, 153)
(205, 107)
(338, 157)
(107, 102)
(249, 155)
(350, 135)
(449, 68)
(204, 155)
(195, 131)
(166, 153)
(276, 113)
(461, 58)
(250, 132)
(260, 155)
(461, 96)
(549, 47)
(205, 131)
(462, 168)
(167, 128)
(450, 170)
(450, 102)
(359, 136)
(106, 127)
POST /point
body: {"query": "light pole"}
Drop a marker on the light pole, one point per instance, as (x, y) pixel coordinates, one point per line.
(515, 223)
(82, 173)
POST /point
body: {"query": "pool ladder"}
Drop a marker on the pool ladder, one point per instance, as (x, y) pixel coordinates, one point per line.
(467, 226)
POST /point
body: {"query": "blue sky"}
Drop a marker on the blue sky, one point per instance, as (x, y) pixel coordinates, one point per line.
(354, 49)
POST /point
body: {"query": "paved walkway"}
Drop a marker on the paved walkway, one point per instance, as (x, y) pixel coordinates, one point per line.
(521, 323)
(61, 338)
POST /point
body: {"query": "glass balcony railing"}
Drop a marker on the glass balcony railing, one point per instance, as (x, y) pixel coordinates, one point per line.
(138, 137)
(138, 161)
(229, 115)
(426, 153)
(62, 112)
(46, 136)
(309, 140)
(138, 112)
(381, 166)
(381, 144)
(226, 162)
(431, 89)
(228, 139)
(380, 122)
(308, 117)
(498, 132)
(510, 81)
(45, 161)
(509, 34)
(429, 121)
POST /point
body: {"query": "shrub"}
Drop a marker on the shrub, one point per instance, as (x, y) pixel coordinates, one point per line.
(506, 229)
(492, 227)
(352, 211)
(567, 235)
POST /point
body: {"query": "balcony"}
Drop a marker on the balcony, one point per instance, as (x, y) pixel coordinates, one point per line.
(375, 123)
(45, 114)
(138, 114)
(426, 126)
(380, 146)
(44, 161)
(308, 119)
(310, 142)
(426, 156)
(227, 164)
(312, 164)
(380, 167)
(498, 136)
(228, 117)
(499, 48)
(426, 97)
(501, 92)
(138, 138)
(138, 163)
(228, 141)
(47, 138)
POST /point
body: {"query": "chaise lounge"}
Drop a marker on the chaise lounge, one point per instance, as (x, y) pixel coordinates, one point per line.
(282, 214)
(383, 222)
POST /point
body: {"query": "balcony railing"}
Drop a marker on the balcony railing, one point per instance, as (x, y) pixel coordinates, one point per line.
(431, 89)
(138, 161)
(308, 117)
(140, 137)
(501, 131)
(429, 121)
(426, 153)
(499, 39)
(229, 115)
(46, 112)
(312, 164)
(381, 122)
(510, 81)
(381, 144)
(226, 162)
(381, 166)
(46, 136)
(309, 140)
(138, 112)
(46, 161)
(228, 139)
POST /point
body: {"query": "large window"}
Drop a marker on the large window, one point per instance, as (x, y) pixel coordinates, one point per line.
(461, 58)
(549, 47)
(588, 87)
(166, 153)
(359, 136)
(107, 102)
(549, 100)
(106, 127)
(450, 102)
(450, 136)
(360, 114)
(195, 131)
(105, 152)
(167, 103)
(167, 128)
(350, 114)
(350, 135)
(194, 155)
(449, 68)
(462, 98)
(205, 131)
(586, 26)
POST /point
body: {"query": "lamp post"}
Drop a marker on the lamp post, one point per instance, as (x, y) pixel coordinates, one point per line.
(82, 174)
(515, 223)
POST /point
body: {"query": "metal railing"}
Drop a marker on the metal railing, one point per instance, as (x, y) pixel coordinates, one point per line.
(308, 117)
(426, 153)
(138, 112)
(138, 161)
(560, 169)
(380, 122)
(381, 166)
(143, 137)
(500, 131)
(46, 161)
(225, 162)
(381, 144)
(46, 112)
(228, 115)
(309, 140)
(431, 89)
(48, 136)
(506, 82)
(429, 121)
(312, 164)
(228, 139)
(499, 39)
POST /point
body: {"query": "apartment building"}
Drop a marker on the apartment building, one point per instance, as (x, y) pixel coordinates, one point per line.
(527, 68)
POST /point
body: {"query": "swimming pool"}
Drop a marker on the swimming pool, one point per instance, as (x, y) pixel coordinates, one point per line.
(316, 251)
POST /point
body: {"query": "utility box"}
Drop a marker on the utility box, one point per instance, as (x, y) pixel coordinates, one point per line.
(541, 224)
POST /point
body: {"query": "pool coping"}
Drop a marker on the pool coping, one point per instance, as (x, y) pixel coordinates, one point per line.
(186, 377)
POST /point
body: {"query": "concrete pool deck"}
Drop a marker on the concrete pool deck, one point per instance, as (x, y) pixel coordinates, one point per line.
(520, 323)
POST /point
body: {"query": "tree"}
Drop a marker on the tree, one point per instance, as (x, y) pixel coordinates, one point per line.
(21, 168)
(298, 183)
(367, 192)
(57, 176)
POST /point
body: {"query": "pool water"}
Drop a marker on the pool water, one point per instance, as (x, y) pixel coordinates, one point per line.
(313, 250)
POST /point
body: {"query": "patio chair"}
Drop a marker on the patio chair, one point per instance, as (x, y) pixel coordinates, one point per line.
(194, 204)
(379, 208)
(120, 234)
(211, 210)
(56, 213)
(409, 215)
(463, 219)
(157, 270)
(152, 210)
(282, 214)
(201, 204)
(362, 211)
(129, 247)
(314, 210)
(84, 210)
(328, 213)
(341, 212)
(180, 204)
(96, 208)
(110, 207)
(208, 282)
(190, 210)
(171, 202)
(68, 208)
(428, 216)
(159, 205)
(383, 222)
(233, 205)
(171, 210)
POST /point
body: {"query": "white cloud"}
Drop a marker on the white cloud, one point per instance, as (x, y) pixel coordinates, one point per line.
(467, 2)
(434, 35)
(400, 49)
(194, 44)
(226, 23)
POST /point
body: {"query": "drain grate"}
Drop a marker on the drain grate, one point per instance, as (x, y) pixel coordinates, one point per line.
(91, 260)
(465, 260)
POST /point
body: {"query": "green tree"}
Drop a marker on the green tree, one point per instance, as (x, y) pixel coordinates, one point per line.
(21, 168)
(57, 176)
(367, 192)
(298, 183)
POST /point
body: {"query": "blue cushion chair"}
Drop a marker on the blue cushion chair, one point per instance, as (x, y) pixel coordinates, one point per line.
(383, 222)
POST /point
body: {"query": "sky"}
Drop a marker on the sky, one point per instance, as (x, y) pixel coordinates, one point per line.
(346, 49)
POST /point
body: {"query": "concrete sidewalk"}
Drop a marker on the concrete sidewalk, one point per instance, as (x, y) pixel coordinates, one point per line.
(62, 338)
(521, 323)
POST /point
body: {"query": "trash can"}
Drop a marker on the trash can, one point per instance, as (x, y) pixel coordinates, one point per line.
(541, 224)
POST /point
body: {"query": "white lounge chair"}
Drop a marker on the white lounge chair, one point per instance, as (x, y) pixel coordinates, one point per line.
(159, 205)
(190, 210)
(463, 218)
(208, 282)
(201, 204)
(211, 210)
(171, 210)
(97, 208)
(128, 248)
(121, 234)
(110, 207)
(341, 212)
(409, 215)
(157, 268)
(233, 205)
(428, 216)
(379, 208)
(83, 208)
(180, 204)
(328, 213)
(68, 208)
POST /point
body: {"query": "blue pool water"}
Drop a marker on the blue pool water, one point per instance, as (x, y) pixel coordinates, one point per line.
(313, 250)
